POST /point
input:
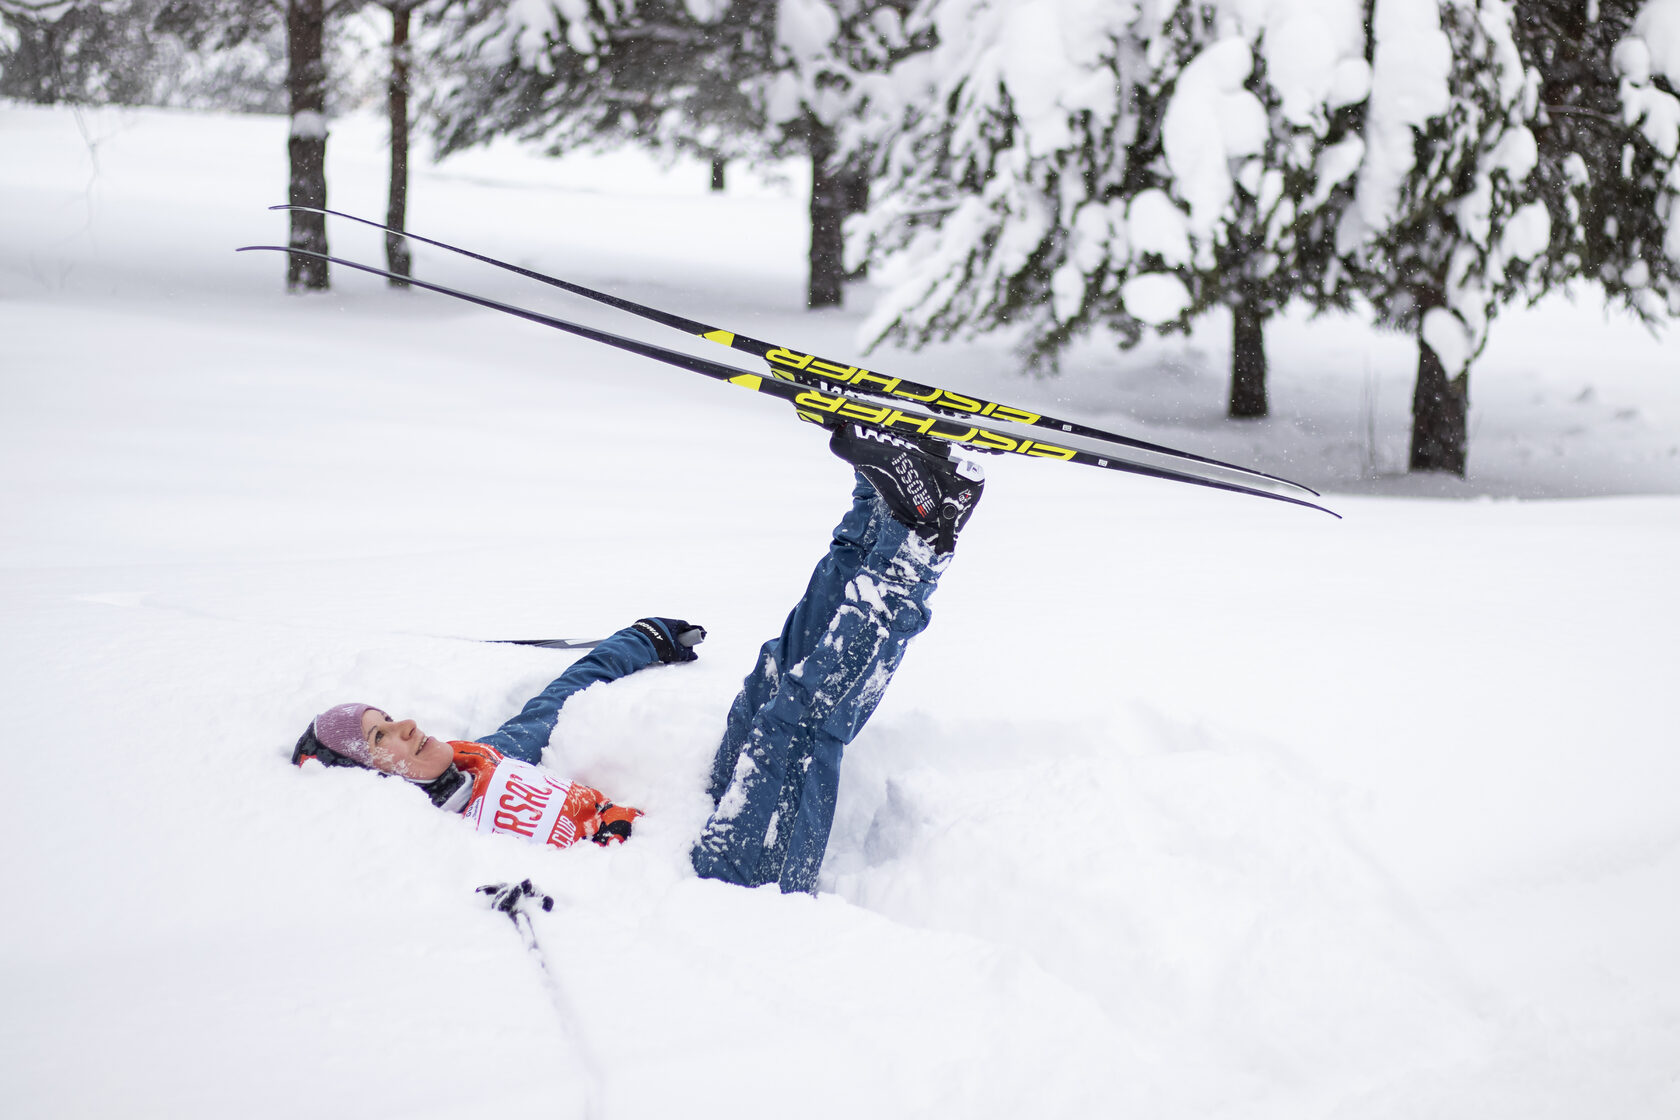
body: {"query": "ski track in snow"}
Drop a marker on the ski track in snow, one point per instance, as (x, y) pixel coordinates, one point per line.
(1185, 805)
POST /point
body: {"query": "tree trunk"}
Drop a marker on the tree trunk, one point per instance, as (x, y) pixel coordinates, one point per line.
(306, 80)
(1248, 362)
(828, 210)
(398, 258)
(857, 201)
(718, 165)
(1440, 415)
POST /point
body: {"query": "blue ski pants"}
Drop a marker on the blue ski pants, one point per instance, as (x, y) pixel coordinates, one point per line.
(777, 770)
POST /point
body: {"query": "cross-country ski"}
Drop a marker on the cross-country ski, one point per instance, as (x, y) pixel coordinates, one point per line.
(821, 405)
(826, 373)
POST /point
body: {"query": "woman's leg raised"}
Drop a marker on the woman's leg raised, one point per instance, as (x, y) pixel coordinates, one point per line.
(777, 771)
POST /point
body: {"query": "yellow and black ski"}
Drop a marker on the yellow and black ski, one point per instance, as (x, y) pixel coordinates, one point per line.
(820, 403)
(817, 372)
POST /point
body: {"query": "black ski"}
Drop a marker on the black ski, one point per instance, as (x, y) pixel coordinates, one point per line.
(823, 373)
(819, 404)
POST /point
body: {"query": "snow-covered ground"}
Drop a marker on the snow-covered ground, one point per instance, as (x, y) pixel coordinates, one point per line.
(1187, 805)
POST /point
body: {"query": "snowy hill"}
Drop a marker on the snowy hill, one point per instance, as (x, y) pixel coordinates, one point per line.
(1186, 805)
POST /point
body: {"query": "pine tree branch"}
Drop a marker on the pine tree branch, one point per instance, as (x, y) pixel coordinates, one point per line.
(1571, 111)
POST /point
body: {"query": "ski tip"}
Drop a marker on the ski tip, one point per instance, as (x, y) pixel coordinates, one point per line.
(1321, 509)
(1302, 502)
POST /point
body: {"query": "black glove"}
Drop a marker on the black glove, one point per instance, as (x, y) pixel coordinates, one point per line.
(672, 638)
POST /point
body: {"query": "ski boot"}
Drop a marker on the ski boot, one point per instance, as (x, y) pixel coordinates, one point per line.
(923, 484)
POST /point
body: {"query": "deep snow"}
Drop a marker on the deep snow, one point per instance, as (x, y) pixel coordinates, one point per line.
(1186, 805)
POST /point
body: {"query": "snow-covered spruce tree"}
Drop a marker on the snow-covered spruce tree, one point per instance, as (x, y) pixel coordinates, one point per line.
(1648, 59)
(1446, 223)
(1119, 166)
(90, 52)
(724, 79)
(1250, 115)
(1608, 130)
(832, 54)
(126, 52)
(1002, 174)
(661, 73)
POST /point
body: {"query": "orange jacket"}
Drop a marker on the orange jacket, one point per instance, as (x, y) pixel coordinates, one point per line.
(517, 798)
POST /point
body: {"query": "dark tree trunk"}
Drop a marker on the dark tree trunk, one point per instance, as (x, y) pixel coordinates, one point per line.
(1440, 415)
(1248, 362)
(828, 211)
(306, 79)
(857, 201)
(718, 165)
(397, 256)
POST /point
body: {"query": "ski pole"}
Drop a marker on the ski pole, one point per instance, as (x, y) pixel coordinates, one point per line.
(515, 900)
(688, 638)
(546, 643)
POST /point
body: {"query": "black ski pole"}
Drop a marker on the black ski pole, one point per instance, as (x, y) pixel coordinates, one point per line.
(691, 637)
(547, 643)
(516, 900)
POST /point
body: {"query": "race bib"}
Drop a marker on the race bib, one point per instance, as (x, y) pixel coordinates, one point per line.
(528, 801)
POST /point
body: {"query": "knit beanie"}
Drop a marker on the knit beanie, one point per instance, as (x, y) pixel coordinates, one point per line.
(339, 729)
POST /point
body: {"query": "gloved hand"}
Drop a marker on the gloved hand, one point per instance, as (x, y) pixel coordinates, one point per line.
(672, 638)
(614, 826)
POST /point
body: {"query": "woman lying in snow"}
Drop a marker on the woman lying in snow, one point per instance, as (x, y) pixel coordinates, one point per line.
(777, 770)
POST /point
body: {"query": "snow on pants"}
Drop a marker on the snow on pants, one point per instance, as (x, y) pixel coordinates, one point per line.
(778, 768)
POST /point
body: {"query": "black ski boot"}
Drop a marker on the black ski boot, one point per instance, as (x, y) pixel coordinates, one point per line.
(923, 485)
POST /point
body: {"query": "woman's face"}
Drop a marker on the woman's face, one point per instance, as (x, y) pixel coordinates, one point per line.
(403, 749)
